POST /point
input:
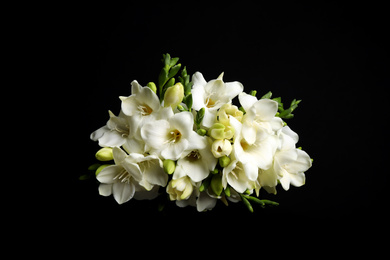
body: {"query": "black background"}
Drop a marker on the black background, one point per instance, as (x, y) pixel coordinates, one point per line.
(332, 56)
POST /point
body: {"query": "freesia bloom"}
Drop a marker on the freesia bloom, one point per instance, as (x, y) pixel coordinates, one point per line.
(119, 179)
(115, 132)
(172, 136)
(140, 106)
(259, 113)
(212, 95)
(289, 163)
(197, 164)
(256, 154)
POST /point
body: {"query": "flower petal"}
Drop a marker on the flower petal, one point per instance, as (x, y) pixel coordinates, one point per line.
(266, 109)
(108, 174)
(99, 133)
(233, 89)
(302, 163)
(123, 192)
(105, 189)
(247, 100)
(205, 202)
(155, 133)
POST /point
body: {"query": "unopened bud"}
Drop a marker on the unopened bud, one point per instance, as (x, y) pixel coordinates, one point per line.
(216, 184)
(169, 166)
(217, 131)
(104, 154)
(224, 161)
(174, 95)
(201, 132)
(152, 86)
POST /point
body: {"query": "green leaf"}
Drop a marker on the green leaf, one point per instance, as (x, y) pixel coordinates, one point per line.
(173, 62)
(268, 95)
(199, 117)
(174, 70)
(246, 203)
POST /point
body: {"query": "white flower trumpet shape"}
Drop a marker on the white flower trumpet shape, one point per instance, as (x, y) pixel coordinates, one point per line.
(212, 95)
(172, 136)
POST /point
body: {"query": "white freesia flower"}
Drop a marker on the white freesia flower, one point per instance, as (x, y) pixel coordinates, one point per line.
(290, 163)
(172, 136)
(151, 168)
(258, 154)
(115, 132)
(234, 174)
(212, 95)
(140, 106)
(259, 113)
(119, 179)
(197, 164)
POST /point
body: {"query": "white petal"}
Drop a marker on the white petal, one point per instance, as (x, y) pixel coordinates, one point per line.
(249, 133)
(175, 151)
(198, 80)
(195, 169)
(108, 174)
(112, 139)
(205, 202)
(246, 100)
(302, 164)
(155, 133)
(105, 189)
(154, 174)
(123, 192)
(251, 171)
(198, 98)
(233, 89)
(297, 179)
(135, 87)
(99, 133)
(183, 122)
(266, 109)
(119, 155)
(210, 115)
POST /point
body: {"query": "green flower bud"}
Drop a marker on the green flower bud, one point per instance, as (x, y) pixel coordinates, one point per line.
(104, 154)
(174, 95)
(152, 86)
(216, 184)
(217, 131)
(201, 132)
(169, 166)
(224, 161)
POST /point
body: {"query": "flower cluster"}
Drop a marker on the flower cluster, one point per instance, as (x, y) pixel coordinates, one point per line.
(188, 139)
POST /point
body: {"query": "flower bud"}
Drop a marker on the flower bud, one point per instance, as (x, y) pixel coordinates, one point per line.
(152, 86)
(201, 132)
(216, 184)
(224, 161)
(169, 166)
(174, 95)
(217, 131)
(180, 189)
(104, 154)
(221, 147)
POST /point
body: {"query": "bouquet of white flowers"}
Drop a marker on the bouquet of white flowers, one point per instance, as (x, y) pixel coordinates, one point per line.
(186, 138)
